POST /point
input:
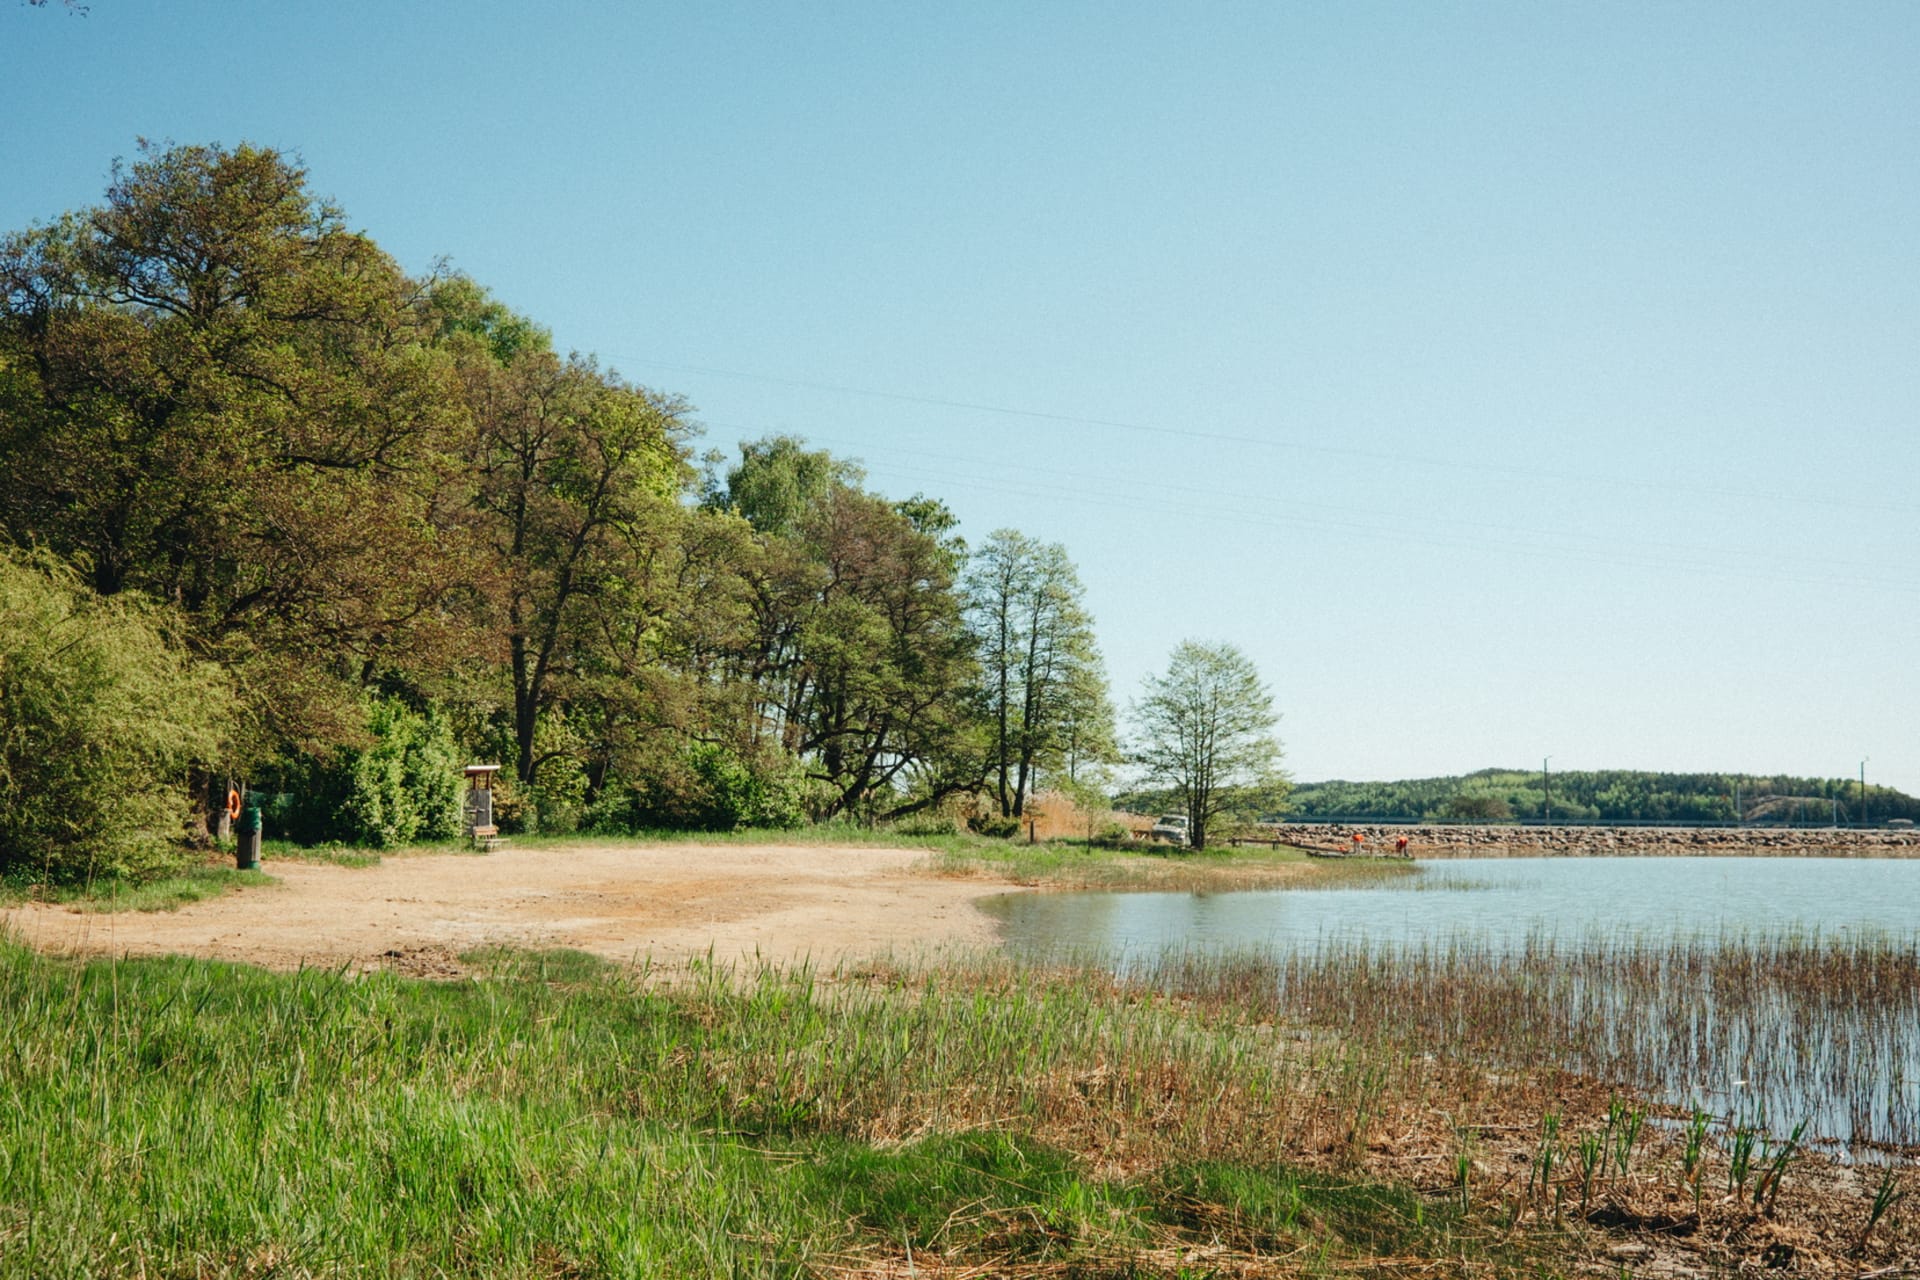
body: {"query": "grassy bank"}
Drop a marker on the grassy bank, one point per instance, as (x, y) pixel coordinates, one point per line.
(558, 1116)
(163, 893)
(562, 1118)
(1076, 864)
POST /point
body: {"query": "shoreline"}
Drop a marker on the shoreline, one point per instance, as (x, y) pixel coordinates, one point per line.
(418, 915)
(1438, 841)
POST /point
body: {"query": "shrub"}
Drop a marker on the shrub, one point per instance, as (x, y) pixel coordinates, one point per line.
(101, 714)
(706, 788)
(404, 785)
(934, 823)
(556, 799)
(1477, 806)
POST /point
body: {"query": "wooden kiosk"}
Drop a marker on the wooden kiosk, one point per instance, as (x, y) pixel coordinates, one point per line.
(480, 828)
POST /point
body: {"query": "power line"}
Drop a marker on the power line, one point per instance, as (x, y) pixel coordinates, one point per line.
(1241, 516)
(1214, 494)
(1261, 511)
(1223, 437)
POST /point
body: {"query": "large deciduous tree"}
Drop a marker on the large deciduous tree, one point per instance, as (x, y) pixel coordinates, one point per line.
(1044, 688)
(573, 472)
(1206, 732)
(860, 659)
(212, 391)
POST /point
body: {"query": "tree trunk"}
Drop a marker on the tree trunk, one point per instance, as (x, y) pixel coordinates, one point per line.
(210, 821)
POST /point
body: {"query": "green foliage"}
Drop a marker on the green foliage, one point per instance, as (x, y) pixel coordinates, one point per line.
(1612, 795)
(215, 393)
(556, 800)
(710, 789)
(1042, 680)
(101, 714)
(994, 825)
(1476, 806)
(779, 480)
(462, 307)
(1206, 734)
(404, 785)
(231, 408)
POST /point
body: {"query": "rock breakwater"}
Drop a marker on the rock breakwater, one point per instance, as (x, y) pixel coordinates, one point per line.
(1446, 841)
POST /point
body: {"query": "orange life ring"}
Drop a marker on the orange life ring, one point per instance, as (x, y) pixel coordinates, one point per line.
(233, 802)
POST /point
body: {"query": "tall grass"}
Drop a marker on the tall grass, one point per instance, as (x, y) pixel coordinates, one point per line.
(1769, 1030)
(559, 1117)
(1074, 864)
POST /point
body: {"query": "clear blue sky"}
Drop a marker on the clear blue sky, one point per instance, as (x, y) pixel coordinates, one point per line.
(1508, 381)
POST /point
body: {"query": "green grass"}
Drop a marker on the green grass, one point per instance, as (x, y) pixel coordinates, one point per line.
(165, 893)
(1056, 864)
(335, 854)
(561, 1117)
(825, 833)
(1076, 864)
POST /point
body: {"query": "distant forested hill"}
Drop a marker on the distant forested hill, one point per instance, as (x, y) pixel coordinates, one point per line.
(1611, 795)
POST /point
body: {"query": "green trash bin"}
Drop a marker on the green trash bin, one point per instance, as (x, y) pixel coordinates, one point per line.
(246, 853)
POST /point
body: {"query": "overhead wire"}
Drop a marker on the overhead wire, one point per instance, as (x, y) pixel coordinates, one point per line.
(1401, 537)
(1849, 502)
(1212, 493)
(1261, 511)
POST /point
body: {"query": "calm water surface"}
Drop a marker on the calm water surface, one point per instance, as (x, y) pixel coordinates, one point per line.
(1498, 899)
(1844, 1058)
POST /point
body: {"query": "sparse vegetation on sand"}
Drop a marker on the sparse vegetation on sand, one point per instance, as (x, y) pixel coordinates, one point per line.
(1074, 864)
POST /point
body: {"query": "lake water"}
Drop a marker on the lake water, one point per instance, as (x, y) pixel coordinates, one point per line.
(1733, 1020)
(1496, 899)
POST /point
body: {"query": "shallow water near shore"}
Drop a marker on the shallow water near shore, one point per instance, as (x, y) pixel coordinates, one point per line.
(1766, 990)
(1497, 900)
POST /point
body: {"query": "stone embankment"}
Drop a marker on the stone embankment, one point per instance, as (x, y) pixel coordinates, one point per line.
(1612, 842)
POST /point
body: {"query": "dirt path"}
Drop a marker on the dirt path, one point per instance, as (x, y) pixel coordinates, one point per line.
(417, 914)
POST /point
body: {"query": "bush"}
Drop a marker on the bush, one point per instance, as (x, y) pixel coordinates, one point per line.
(928, 824)
(557, 798)
(101, 715)
(1480, 806)
(706, 788)
(995, 826)
(405, 785)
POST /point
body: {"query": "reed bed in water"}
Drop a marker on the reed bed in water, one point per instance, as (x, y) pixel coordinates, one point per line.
(1765, 1032)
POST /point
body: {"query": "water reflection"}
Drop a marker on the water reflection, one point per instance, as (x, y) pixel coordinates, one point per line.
(1766, 990)
(1499, 899)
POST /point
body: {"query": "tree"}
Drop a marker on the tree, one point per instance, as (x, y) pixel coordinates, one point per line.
(1041, 673)
(1477, 806)
(569, 468)
(214, 393)
(1206, 733)
(878, 697)
(779, 480)
(858, 655)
